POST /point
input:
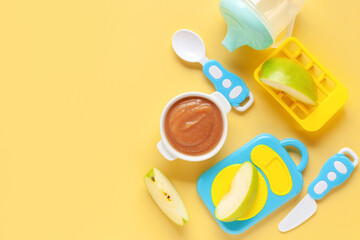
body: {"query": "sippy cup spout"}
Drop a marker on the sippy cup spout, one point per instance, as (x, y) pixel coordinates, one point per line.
(233, 40)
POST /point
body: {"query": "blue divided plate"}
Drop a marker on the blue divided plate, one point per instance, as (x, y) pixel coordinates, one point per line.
(243, 154)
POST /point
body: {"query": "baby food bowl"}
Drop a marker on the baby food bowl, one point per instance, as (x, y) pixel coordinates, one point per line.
(332, 94)
(169, 152)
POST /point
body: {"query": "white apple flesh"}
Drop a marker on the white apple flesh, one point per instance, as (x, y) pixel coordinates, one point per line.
(240, 196)
(165, 196)
(286, 75)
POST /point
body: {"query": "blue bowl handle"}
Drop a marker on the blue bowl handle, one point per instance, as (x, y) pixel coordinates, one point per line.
(303, 151)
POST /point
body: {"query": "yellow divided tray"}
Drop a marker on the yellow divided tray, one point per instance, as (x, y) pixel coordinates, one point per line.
(332, 94)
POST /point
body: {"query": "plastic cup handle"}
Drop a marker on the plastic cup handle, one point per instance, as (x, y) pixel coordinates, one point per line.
(288, 34)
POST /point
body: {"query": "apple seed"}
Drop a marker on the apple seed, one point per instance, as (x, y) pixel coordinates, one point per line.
(167, 196)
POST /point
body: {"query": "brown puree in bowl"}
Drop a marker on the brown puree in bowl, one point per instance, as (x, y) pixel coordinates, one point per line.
(194, 125)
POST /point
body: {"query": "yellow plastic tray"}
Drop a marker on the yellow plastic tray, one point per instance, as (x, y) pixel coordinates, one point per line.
(332, 94)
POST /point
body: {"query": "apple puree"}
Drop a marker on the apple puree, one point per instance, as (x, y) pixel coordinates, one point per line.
(194, 126)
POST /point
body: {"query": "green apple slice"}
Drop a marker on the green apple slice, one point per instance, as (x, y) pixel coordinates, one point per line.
(165, 196)
(241, 195)
(286, 75)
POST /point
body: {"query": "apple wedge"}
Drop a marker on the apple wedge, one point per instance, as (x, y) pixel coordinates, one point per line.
(240, 196)
(165, 196)
(286, 75)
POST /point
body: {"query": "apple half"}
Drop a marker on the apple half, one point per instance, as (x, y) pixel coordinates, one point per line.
(240, 196)
(165, 196)
(286, 75)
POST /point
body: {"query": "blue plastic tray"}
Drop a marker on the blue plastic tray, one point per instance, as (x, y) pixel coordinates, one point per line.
(243, 154)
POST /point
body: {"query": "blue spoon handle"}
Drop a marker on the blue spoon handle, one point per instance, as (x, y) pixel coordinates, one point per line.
(334, 172)
(228, 84)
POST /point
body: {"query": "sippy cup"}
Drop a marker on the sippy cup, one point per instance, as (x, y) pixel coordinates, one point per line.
(257, 23)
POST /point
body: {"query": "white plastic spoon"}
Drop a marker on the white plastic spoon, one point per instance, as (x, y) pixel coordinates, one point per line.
(190, 47)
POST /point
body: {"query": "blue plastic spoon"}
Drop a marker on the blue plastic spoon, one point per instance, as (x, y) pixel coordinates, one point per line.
(190, 47)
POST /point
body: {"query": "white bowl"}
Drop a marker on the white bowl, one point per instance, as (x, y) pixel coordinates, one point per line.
(169, 152)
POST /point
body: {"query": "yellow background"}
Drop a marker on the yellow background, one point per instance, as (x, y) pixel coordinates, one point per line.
(82, 87)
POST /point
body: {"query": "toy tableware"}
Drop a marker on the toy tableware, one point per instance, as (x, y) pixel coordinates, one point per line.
(165, 147)
(332, 95)
(257, 23)
(334, 172)
(279, 179)
(190, 47)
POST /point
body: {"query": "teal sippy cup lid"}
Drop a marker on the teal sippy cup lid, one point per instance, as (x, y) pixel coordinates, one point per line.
(246, 26)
